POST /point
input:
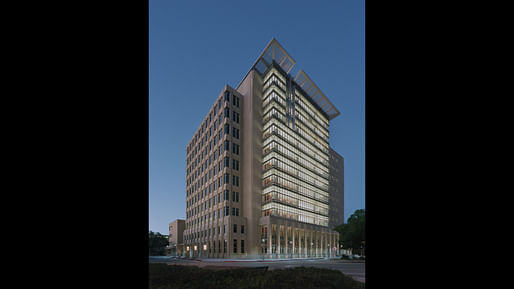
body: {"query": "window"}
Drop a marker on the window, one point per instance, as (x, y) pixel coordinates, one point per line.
(224, 246)
(235, 149)
(227, 212)
(227, 112)
(235, 132)
(235, 165)
(235, 117)
(235, 245)
(227, 145)
(226, 195)
(227, 179)
(242, 231)
(235, 211)
(235, 100)
(227, 96)
(242, 246)
(235, 197)
(227, 128)
(235, 228)
(235, 181)
(226, 162)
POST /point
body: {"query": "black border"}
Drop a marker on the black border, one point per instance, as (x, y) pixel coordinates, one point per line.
(93, 222)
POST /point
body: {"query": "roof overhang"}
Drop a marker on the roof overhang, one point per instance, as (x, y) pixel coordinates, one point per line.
(305, 82)
(274, 52)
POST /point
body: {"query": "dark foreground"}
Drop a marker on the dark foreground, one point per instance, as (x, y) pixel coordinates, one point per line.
(163, 276)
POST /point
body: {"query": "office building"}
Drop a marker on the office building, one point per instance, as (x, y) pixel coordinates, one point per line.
(257, 168)
(176, 238)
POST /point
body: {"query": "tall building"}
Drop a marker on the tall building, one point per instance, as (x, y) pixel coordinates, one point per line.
(176, 237)
(257, 180)
(335, 189)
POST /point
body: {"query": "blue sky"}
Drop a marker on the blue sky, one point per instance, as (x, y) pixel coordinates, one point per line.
(196, 47)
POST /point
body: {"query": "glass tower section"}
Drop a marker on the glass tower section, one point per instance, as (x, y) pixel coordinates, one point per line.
(295, 152)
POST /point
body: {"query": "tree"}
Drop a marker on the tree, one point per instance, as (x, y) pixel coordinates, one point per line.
(157, 244)
(352, 234)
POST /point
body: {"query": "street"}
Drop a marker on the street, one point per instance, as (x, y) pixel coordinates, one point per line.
(354, 269)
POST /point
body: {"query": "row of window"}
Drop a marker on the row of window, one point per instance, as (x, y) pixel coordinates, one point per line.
(193, 148)
(290, 152)
(198, 136)
(212, 172)
(194, 211)
(299, 133)
(320, 130)
(212, 232)
(217, 152)
(212, 247)
(225, 180)
(211, 202)
(193, 220)
(304, 204)
(296, 171)
(235, 99)
(307, 106)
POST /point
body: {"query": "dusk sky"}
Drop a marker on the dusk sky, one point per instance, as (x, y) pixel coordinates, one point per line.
(196, 47)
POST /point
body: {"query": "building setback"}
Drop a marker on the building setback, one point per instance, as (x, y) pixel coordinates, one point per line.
(257, 168)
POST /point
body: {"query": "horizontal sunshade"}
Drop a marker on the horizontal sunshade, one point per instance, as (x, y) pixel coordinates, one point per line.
(315, 93)
(274, 52)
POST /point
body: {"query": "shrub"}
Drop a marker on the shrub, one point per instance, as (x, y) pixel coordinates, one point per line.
(163, 276)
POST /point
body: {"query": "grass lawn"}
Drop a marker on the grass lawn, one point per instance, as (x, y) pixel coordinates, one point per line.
(163, 276)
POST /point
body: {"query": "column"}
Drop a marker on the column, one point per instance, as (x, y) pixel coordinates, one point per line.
(269, 240)
(314, 245)
(286, 249)
(278, 240)
(293, 231)
(303, 251)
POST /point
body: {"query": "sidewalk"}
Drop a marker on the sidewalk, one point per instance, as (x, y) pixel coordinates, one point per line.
(264, 260)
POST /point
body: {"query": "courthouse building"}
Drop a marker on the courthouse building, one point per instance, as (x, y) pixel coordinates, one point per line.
(258, 180)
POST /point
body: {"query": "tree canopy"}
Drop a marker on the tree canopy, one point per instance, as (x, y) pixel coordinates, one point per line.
(157, 243)
(352, 234)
